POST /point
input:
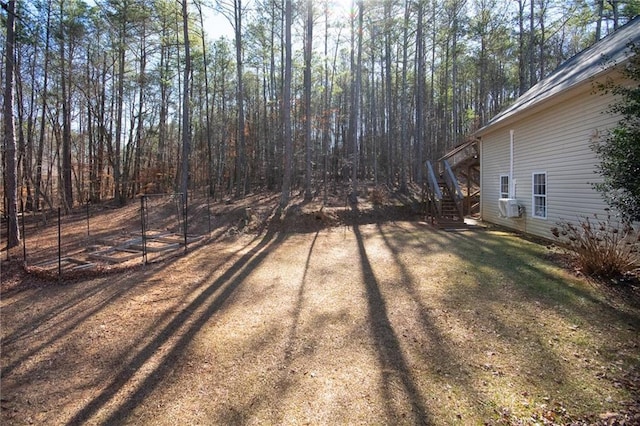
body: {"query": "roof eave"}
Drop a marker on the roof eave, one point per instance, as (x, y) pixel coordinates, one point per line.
(508, 117)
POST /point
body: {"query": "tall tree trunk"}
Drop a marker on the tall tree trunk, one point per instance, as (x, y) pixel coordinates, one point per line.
(207, 109)
(222, 146)
(532, 65)
(600, 5)
(135, 181)
(616, 13)
(240, 146)
(91, 134)
(389, 112)
(404, 134)
(420, 76)
(286, 109)
(326, 106)
(275, 171)
(19, 115)
(102, 131)
(455, 90)
(522, 56)
(373, 95)
(542, 38)
(350, 152)
(41, 138)
(483, 72)
(117, 176)
(433, 133)
(161, 154)
(10, 163)
(355, 105)
(186, 108)
(67, 185)
(307, 100)
(31, 124)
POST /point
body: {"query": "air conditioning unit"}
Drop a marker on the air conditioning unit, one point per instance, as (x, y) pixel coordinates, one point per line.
(509, 207)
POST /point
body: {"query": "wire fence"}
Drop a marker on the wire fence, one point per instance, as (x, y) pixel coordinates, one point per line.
(99, 237)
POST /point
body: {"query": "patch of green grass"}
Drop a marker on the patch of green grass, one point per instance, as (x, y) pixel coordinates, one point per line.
(555, 334)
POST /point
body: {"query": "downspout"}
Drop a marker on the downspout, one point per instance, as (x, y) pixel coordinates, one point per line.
(481, 200)
(512, 182)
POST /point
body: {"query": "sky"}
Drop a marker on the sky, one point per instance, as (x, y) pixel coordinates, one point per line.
(217, 25)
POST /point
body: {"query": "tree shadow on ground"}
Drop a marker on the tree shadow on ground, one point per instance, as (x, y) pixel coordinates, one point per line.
(535, 319)
(392, 363)
(183, 326)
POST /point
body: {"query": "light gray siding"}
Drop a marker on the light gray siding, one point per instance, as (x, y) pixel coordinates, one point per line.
(555, 140)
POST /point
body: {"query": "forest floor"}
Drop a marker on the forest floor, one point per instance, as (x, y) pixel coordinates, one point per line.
(329, 315)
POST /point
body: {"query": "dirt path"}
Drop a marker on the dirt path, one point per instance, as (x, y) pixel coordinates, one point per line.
(373, 324)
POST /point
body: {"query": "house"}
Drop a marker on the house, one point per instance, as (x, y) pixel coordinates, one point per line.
(536, 163)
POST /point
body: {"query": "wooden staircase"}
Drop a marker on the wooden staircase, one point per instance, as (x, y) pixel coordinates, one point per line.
(446, 204)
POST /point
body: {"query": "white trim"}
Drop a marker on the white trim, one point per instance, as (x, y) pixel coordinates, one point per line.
(504, 194)
(541, 196)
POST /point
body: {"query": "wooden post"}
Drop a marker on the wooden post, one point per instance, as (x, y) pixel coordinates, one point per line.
(24, 236)
(88, 234)
(185, 221)
(143, 232)
(59, 246)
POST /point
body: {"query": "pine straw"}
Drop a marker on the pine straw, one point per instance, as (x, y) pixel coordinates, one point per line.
(377, 323)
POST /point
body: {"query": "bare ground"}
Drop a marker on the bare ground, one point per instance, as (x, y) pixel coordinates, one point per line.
(329, 316)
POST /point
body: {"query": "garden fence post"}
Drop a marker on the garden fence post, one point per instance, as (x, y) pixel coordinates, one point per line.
(6, 217)
(88, 201)
(59, 246)
(209, 209)
(185, 220)
(24, 236)
(143, 226)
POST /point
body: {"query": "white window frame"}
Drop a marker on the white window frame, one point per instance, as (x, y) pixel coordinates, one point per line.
(502, 193)
(539, 196)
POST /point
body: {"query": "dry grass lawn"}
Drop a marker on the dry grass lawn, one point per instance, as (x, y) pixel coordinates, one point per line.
(368, 322)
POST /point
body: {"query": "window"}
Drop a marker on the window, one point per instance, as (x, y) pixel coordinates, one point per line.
(504, 186)
(540, 195)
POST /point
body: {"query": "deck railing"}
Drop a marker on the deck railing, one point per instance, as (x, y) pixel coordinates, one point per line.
(434, 194)
(461, 153)
(453, 186)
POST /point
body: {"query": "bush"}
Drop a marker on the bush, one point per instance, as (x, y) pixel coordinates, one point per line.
(619, 152)
(604, 248)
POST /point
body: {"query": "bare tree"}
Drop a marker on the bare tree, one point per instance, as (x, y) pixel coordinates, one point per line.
(41, 140)
(389, 114)
(600, 15)
(522, 60)
(286, 109)
(65, 71)
(404, 134)
(532, 65)
(354, 115)
(11, 165)
(207, 108)
(420, 88)
(186, 108)
(307, 100)
(615, 12)
(240, 150)
(116, 159)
